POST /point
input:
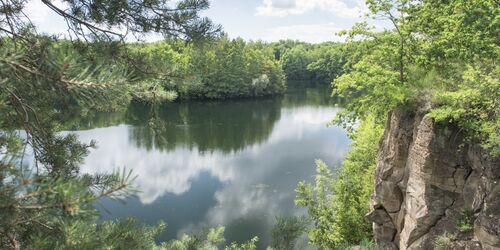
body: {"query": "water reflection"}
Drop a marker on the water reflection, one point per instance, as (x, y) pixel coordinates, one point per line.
(226, 126)
(302, 93)
(232, 163)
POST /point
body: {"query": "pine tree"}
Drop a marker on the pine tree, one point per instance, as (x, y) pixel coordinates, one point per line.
(45, 202)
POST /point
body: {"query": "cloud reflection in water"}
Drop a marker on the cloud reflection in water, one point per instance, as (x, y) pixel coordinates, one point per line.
(257, 182)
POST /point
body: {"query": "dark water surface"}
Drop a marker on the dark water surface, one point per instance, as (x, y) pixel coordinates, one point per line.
(203, 164)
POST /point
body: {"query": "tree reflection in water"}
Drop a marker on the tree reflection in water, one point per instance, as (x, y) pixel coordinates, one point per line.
(233, 163)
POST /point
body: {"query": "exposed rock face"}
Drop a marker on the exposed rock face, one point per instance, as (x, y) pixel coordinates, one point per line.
(430, 181)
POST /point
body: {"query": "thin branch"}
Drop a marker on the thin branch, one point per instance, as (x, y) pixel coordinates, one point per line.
(89, 26)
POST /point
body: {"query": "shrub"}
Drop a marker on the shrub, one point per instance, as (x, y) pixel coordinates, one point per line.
(443, 241)
(337, 204)
(465, 221)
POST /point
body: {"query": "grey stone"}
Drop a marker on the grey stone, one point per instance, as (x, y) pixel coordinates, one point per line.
(426, 176)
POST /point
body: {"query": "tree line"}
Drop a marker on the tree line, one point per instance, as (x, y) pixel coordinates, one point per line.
(225, 68)
(218, 69)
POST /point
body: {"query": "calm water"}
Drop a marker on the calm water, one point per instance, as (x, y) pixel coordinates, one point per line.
(200, 164)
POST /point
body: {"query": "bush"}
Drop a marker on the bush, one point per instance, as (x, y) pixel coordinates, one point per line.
(465, 221)
(337, 204)
(443, 241)
(286, 231)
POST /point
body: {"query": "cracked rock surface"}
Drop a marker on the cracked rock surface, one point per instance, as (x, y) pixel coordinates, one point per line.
(430, 181)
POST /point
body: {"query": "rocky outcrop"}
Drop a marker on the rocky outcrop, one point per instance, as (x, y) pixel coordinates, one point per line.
(430, 184)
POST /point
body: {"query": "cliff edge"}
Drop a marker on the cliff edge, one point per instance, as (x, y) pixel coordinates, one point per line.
(433, 189)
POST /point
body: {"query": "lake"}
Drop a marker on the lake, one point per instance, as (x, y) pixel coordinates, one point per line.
(202, 164)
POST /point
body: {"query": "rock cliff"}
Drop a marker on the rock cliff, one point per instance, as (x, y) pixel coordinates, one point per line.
(433, 189)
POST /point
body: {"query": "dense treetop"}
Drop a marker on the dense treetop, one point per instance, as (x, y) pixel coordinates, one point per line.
(441, 57)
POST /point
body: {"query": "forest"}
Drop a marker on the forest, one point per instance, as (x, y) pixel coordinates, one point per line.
(222, 68)
(437, 57)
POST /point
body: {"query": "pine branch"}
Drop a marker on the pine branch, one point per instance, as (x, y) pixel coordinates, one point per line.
(68, 84)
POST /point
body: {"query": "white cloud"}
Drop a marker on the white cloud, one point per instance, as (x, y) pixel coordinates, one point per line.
(339, 8)
(313, 33)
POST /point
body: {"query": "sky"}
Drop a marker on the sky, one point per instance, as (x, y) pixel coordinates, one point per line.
(268, 20)
(271, 20)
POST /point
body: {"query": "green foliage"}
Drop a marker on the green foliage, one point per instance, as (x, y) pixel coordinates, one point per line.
(465, 220)
(444, 240)
(318, 199)
(152, 92)
(441, 58)
(108, 235)
(329, 63)
(62, 77)
(157, 68)
(372, 85)
(249, 245)
(295, 63)
(364, 245)
(232, 68)
(370, 245)
(286, 230)
(474, 104)
(455, 30)
(301, 61)
(219, 69)
(337, 204)
(212, 240)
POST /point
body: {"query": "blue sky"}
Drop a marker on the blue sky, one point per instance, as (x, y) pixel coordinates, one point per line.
(269, 20)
